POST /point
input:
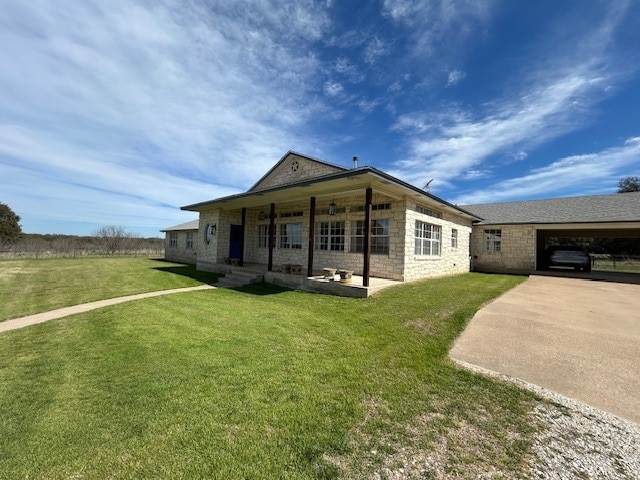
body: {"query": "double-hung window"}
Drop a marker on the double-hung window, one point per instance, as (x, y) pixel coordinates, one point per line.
(263, 236)
(173, 239)
(380, 236)
(454, 238)
(493, 240)
(189, 243)
(291, 235)
(427, 238)
(330, 236)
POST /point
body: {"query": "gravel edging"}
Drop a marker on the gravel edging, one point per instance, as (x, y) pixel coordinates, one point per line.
(578, 442)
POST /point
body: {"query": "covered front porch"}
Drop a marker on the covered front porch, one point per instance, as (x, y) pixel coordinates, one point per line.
(317, 283)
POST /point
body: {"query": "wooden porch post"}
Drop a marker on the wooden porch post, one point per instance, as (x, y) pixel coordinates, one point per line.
(242, 230)
(272, 235)
(312, 234)
(367, 237)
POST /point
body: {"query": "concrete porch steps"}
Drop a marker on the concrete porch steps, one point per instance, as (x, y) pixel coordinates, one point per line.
(236, 279)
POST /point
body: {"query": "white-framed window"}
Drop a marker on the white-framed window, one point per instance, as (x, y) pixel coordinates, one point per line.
(357, 236)
(380, 236)
(454, 238)
(263, 236)
(189, 242)
(291, 235)
(493, 240)
(427, 238)
(173, 239)
(330, 236)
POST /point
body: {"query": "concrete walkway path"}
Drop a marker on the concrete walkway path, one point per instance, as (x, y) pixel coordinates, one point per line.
(579, 338)
(16, 323)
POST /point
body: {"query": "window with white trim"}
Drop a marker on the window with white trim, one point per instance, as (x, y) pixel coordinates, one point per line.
(380, 236)
(427, 238)
(263, 236)
(454, 238)
(330, 236)
(173, 239)
(291, 235)
(357, 236)
(493, 240)
(189, 242)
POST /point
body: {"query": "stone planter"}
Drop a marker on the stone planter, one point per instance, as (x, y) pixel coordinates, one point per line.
(329, 274)
(345, 276)
(296, 269)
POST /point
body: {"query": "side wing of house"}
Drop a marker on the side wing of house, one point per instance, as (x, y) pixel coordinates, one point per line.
(181, 243)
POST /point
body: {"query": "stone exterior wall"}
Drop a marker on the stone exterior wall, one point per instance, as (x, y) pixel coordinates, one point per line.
(294, 169)
(451, 260)
(181, 254)
(384, 266)
(517, 250)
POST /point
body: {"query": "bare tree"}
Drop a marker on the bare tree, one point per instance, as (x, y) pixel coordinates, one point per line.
(111, 238)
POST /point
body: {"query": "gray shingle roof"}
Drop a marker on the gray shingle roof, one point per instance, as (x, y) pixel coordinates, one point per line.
(619, 207)
(192, 225)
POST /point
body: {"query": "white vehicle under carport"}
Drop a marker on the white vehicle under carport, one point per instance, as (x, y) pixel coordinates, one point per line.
(567, 256)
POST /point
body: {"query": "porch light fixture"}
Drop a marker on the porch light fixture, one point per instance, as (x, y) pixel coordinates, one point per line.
(262, 216)
(213, 228)
(332, 208)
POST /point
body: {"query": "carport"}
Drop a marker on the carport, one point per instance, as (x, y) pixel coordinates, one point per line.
(512, 236)
(614, 230)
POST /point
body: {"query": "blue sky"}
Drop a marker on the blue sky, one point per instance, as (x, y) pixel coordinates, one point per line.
(119, 112)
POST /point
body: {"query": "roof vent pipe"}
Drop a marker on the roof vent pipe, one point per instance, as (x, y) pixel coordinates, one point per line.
(355, 162)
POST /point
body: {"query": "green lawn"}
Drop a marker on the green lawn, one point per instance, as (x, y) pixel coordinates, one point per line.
(260, 383)
(38, 285)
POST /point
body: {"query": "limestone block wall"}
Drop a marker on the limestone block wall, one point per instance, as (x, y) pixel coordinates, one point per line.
(181, 254)
(385, 266)
(451, 260)
(517, 252)
(207, 253)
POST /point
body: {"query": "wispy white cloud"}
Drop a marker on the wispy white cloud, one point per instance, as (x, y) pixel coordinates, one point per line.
(211, 92)
(551, 99)
(454, 77)
(430, 21)
(567, 176)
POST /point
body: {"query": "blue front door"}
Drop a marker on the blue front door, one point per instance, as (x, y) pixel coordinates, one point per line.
(235, 241)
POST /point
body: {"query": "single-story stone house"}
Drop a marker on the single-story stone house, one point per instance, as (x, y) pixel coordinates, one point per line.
(308, 214)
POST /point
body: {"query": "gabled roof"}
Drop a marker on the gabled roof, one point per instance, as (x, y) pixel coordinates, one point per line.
(329, 185)
(619, 207)
(192, 225)
(285, 157)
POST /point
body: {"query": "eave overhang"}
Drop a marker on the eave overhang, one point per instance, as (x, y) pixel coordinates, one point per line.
(349, 182)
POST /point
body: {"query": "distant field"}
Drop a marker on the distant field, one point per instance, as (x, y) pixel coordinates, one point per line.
(261, 383)
(623, 265)
(37, 285)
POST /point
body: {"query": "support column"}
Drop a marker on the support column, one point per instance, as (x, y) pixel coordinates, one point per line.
(272, 235)
(312, 235)
(242, 230)
(367, 237)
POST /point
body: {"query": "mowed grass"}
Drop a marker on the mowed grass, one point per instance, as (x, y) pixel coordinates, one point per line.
(261, 383)
(38, 285)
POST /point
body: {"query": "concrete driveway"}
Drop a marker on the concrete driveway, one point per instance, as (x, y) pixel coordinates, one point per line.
(580, 338)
